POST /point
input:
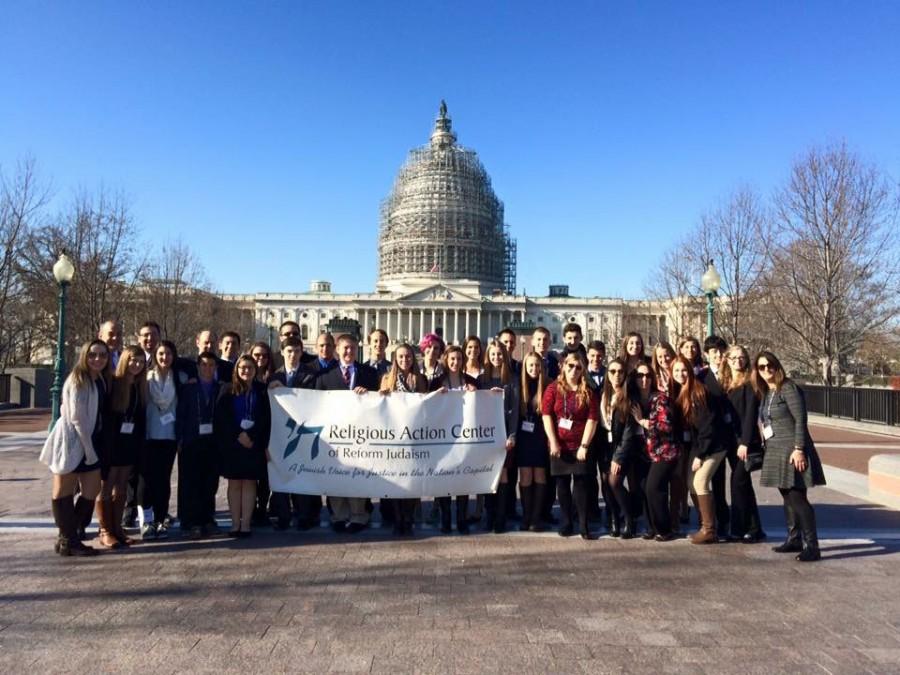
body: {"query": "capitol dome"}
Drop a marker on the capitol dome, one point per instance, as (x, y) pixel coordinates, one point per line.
(442, 221)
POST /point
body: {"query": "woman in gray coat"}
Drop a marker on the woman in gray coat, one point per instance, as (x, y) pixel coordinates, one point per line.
(791, 462)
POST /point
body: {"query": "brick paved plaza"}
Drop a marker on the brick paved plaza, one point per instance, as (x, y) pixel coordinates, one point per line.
(288, 602)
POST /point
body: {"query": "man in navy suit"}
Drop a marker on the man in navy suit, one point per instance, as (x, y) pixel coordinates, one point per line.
(296, 375)
(540, 342)
(507, 337)
(349, 513)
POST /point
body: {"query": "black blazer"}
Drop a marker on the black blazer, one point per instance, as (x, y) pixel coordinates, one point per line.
(227, 428)
(224, 369)
(721, 405)
(304, 378)
(743, 406)
(333, 379)
(193, 410)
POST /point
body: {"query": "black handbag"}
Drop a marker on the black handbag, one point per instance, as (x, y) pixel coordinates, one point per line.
(754, 459)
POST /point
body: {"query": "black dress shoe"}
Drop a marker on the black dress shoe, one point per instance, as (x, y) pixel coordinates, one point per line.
(353, 528)
(809, 554)
(566, 531)
(789, 546)
(649, 535)
(664, 537)
(339, 526)
(588, 535)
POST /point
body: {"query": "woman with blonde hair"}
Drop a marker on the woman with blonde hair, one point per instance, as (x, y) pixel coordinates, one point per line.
(125, 425)
(531, 443)
(663, 357)
(569, 413)
(404, 377)
(73, 449)
(743, 407)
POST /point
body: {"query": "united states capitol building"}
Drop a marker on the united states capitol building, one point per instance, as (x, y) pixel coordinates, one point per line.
(447, 264)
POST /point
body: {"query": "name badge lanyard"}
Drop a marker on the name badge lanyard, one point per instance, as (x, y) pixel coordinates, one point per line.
(247, 422)
(765, 419)
(127, 426)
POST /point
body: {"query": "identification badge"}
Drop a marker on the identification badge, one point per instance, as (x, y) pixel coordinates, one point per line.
(127, 428)
(767, 431)
(686, 435)
(168, 418)
(246, 424)
(205, 429)
(609, 437)
(727, 418)
(528, 426)
(565, 424)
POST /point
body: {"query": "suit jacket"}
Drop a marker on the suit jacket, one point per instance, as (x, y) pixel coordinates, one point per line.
(596, 388)
(333, 379)
(224, 369)
(304, 377)
(194, 410)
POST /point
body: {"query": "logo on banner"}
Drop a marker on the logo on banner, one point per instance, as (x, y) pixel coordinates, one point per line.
(298, 431)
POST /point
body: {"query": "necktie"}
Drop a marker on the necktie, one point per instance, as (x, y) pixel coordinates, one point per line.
(346, 376)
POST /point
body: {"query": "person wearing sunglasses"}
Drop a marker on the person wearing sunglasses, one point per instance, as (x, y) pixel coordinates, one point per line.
(655, 467)
(790, 462)
(569, 413)
(623, 435)
(73, 449)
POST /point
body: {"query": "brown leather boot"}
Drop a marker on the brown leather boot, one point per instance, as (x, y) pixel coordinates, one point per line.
(106, 535)
(707, 533)
(118, 510)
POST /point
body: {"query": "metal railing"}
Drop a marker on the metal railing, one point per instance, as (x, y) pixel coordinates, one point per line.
(881, 406)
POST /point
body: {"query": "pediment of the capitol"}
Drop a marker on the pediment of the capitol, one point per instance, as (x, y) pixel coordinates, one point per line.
(441, 293)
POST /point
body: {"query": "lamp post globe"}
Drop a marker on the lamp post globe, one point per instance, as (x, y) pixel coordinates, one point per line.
(709, 284)
(63, 273)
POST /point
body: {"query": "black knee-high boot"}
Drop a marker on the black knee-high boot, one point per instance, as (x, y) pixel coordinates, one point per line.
(84, 512)
(67, 542)
(462, 514)
(527, 505)
(537, 508)
(500, 505)
(793, 542)
(564, 494)
(806, 516)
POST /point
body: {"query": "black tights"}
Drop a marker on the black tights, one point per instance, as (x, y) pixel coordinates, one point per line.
(799, 514)
(158, 461)
(564, 493)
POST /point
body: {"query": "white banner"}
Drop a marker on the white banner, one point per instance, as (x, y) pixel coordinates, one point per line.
(404, 445)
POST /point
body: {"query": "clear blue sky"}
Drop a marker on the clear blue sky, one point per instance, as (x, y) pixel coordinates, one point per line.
(263, 132)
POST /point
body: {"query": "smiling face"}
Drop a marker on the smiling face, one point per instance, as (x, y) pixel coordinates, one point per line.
(736, 360)
(616, 374)
(111, 334)
(595, 360)
(97, 357)
(377, 345)
(533, 366)
(663, 358)
(454, 362)
(246, 370)
(541, 342)
(229, 347)
(495, 357)
(325, 347)
(634, 346)
(680, 373)
(573, 369)
(690, 351)
(346, 351)
(136, 365)
(291, 356)
(148, 338)
(572, 338)
(206, 341)
(473, 351)
(766, 370)
(404, 358)
(432, 352)
(206, 370)
(164, 357)
(508, 340)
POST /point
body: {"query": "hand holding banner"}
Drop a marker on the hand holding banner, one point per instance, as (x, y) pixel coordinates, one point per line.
(345, 444)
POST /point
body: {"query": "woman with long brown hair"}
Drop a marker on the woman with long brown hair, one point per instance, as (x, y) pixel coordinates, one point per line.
(454, 379)
(125, 425)
(241, 425)
(706, 426)
(663, 357)
(689, 348)
(531, 443)
(474, 356)
(743, 407)
(569, 414)
(261, 354)
(73, 449)
(497, 376)
(631, 351)
(623, 434)
(791, 462)
(404, 377)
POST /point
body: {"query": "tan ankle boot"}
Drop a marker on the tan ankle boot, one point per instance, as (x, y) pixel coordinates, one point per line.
(118, 510)
(707, 532)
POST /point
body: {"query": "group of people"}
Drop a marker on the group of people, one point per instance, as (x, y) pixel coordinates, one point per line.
(642, 433)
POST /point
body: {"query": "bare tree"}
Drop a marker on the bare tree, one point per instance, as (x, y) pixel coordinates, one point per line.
(22, 200)
(834, 257)
(675, 280)
(734, 235)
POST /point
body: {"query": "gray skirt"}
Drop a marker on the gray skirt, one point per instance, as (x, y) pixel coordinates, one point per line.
(778, 472)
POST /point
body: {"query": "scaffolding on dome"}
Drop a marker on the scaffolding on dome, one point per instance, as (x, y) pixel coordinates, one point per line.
(443, 220)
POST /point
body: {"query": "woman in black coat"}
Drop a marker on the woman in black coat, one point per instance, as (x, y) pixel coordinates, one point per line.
(791, 462)
(743, 411)
(623, 439)
(242, 421)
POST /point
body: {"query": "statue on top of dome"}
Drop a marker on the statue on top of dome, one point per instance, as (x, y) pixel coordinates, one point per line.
(443, 108)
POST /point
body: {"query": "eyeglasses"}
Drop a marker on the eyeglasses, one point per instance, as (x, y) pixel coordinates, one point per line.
(643, 376)
(616, 371)
(739, 357)
(573, 366)
(292, 333)
(97, 355)
(766, 366)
